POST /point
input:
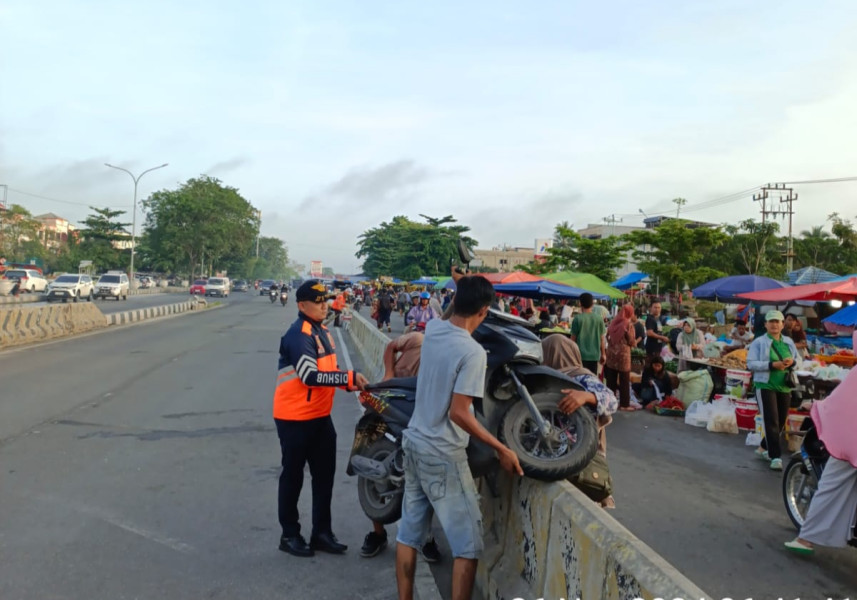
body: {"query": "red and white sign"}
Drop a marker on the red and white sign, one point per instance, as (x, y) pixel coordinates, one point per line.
(316, 268)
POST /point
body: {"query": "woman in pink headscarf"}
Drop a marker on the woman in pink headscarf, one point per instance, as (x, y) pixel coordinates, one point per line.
(617, 368)
(832, 511)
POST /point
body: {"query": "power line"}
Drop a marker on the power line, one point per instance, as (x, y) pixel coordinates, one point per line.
(837, 180)
(23, 193)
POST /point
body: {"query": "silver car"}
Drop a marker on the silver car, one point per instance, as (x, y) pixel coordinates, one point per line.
(217, 286)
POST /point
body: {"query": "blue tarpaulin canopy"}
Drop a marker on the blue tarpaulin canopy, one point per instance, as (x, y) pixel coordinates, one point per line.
(726, 289)
(423, 281)
(543, 289)
(810, 275)
(847, 317)
(449, 284)
(629, 280)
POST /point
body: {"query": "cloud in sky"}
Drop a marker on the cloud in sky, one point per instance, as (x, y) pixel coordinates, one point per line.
(331, 118)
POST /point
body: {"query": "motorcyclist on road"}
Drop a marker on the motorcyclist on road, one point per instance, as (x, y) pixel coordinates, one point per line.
(421, 314)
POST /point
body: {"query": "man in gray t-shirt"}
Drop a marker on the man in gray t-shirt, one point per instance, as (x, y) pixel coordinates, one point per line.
(452, 374)
(451, 362)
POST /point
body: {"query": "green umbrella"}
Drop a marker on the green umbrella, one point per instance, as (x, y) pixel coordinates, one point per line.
(585, 281)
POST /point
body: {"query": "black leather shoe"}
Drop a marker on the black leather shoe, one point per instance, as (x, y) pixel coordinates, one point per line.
(296, 546)
(327, 542)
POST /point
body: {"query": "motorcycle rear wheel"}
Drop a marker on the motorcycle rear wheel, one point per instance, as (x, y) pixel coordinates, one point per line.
(572, 446)
(799, 486)
(376, 499)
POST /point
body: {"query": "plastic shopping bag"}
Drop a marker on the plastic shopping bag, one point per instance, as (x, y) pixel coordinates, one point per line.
(722, 418)
(698, 414)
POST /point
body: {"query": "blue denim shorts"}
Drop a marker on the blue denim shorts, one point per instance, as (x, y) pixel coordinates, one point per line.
(433, 482)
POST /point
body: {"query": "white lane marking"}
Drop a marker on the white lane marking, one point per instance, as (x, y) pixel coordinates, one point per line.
(169, 542)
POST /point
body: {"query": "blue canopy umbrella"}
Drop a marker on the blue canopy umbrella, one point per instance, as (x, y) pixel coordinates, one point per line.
(847, 317)
(629, 280)
(423, 281)
(449, 284)
(543, 289)
(726, 289)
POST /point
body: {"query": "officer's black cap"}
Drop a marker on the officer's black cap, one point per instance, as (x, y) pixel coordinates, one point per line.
(311, 291)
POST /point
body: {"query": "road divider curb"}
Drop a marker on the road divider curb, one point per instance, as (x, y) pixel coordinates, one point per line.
(143, 314)
(25, 325)
(549, 540)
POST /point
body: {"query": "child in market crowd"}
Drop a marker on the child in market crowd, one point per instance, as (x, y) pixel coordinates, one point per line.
(655, 382)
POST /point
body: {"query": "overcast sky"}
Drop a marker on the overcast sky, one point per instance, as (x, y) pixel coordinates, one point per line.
(334, 116)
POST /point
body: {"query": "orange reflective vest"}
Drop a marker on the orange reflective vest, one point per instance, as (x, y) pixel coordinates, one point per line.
(308, 374)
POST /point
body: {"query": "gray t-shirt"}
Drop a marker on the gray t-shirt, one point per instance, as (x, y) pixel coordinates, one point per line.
(451, 362)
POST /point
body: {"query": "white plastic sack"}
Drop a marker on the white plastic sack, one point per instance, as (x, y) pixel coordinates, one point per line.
(698, 414)
(722, 419)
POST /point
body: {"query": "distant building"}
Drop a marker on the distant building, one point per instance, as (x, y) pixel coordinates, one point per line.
(505, 259)
(54, 231)
(604, 230)
(653, 222)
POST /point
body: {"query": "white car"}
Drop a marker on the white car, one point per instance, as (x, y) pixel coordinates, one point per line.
(70, 287)
(217, 286)
(113, 284)
(30, 280)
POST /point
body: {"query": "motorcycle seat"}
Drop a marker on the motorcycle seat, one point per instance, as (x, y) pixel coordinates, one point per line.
(407, 383)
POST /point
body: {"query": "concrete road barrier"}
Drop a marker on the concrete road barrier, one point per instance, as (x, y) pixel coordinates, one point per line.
(24, 325)
(549, 540)
(22, 298)
(158, 290)
(142, 314)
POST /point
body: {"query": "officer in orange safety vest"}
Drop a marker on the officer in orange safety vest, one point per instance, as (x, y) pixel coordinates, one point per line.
(306, 382)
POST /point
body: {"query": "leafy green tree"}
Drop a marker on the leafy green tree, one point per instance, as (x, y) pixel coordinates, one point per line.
(817, 248)
(16, 230)
(573, 252)
(199, 227)
(752, 248)
(406, 249)
(675, 253)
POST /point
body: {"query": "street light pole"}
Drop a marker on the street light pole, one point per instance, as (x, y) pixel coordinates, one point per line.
(134, 215)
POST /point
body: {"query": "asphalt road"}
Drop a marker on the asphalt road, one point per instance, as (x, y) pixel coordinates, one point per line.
(146, 467)
(704, 503)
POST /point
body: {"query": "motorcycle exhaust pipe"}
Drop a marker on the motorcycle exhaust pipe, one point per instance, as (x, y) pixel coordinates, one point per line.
(369, 468)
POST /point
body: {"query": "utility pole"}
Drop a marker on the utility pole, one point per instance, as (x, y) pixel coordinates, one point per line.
(3, 207)
(258, 233)
(788, 199)
(612, 220)
(679, 202)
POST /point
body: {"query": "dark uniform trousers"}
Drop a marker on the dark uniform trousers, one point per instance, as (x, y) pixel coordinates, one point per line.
(314, 442)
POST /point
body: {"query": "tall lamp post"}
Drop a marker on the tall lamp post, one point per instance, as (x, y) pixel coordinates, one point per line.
(134, 217)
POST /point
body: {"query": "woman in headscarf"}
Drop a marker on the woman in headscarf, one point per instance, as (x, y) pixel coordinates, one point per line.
(617, 367)
(562, 354)
(689, 343)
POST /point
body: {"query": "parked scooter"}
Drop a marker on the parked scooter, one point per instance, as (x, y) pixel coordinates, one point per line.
(802, 474)
(519, 406)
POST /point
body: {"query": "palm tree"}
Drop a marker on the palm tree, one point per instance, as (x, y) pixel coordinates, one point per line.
(816, 233)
